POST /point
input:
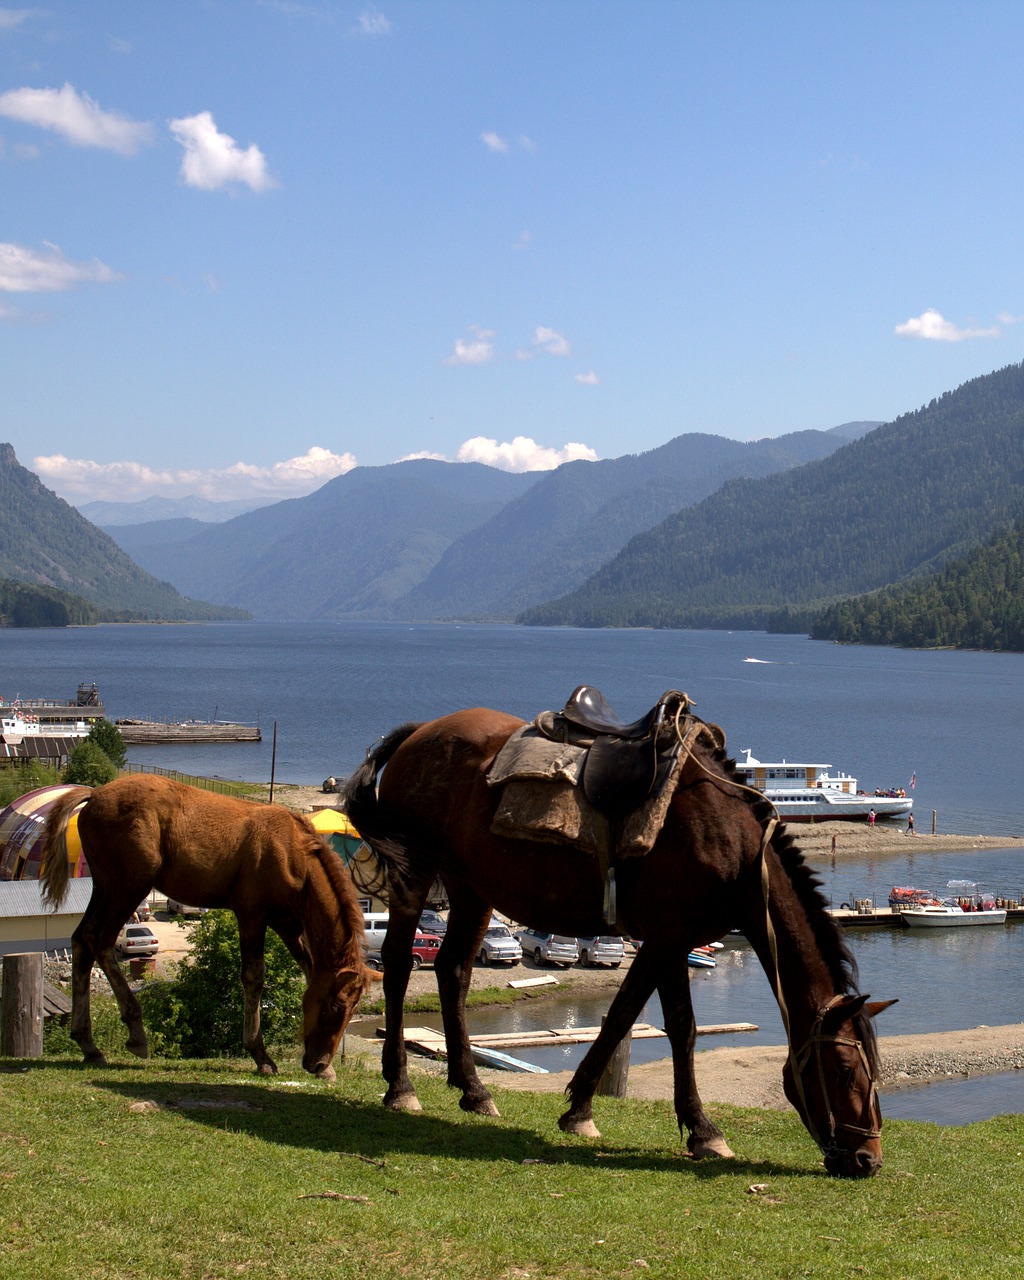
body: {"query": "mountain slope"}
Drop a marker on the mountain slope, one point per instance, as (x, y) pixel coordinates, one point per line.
(349, 549)
(575, 518)
(45, 541)
(897, 502)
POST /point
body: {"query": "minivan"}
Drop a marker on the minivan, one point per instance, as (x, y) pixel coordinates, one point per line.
(604, 950)
(376, 925)
(548, 948)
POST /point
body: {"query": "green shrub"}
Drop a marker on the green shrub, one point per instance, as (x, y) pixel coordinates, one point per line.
(21, 778)
(198, 1012)
(107, 736)
(89, 766)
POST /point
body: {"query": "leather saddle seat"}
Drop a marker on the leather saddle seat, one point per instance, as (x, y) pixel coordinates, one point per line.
(625, 760)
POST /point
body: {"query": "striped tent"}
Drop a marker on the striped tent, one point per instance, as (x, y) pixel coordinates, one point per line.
(21, 835)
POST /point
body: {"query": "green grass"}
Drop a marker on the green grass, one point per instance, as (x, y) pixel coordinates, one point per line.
(226, 1174)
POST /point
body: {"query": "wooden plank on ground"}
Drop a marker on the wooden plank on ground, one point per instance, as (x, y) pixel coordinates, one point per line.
(548, 981)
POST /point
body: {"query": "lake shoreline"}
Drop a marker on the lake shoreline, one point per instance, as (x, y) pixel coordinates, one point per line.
(852, 839)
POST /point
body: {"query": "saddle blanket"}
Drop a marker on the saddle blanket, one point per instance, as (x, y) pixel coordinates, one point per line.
(542, 799)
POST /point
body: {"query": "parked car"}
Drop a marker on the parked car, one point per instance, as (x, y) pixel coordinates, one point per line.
(604, 950)
(499, 946)
(548, 948)
(184, 909)
(433, 922)
(136, 940)
(144, 911)
(425, 947)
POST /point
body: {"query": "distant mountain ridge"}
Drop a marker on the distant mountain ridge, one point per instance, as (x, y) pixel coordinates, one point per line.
(156, 508)
(45, 542)
(429, 540)
(899, 502)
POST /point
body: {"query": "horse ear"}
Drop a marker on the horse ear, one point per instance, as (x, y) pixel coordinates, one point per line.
(876, 1006)
(846, 1007)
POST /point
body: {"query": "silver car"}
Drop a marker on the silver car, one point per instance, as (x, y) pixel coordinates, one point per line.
(604, 950)
(498, 946)
(548, 948)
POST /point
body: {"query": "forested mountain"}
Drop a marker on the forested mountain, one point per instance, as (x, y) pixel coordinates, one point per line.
(974, 603)
(430, 540)
(575, 518)
(46, 542)
(901, 501)
(349, 549)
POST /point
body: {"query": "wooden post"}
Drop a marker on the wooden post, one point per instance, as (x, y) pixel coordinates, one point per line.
(615, 1076)
(21, 1011)
(934, 817)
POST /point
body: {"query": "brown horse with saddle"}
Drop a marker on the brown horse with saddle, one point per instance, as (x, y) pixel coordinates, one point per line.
(654, 837)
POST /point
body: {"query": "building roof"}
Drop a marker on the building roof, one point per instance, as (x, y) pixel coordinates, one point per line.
(25, 898)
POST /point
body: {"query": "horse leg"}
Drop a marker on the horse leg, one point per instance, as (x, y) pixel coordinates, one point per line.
(396, 957)
(705, 1138)
(467, 920)
(93, 941)
(637, 988)
(252, 944)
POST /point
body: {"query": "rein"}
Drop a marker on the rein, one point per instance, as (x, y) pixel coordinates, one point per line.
(812, 1045)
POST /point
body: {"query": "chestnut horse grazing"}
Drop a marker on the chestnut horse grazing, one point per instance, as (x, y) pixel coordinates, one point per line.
(266, 863)
(720, 862)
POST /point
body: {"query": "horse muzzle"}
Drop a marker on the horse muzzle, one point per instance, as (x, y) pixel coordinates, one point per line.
(862, 1163)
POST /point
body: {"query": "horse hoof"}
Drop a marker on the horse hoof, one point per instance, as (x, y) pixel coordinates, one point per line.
(480, 1106)
(327, 1075)
(717, 1147)
(266, 1069)
(94, 1058)
(582, 1128)
(140, 1050)
(402, 1102)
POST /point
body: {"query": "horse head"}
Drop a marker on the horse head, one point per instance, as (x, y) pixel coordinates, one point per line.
(831, 1081)
(330, 999)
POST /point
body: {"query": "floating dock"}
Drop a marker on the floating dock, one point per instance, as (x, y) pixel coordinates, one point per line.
(147, 732)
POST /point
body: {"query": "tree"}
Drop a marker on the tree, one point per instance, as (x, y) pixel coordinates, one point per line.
(198, 1014)
(107, 736)
(89, 766)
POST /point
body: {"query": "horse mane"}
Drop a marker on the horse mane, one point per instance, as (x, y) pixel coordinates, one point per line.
(806, 884)
(351, 918)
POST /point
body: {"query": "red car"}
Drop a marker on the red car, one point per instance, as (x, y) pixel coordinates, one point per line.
(424, 951)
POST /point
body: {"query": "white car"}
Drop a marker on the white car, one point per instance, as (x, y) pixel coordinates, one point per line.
(136, 940)
(603, 950)
(548, 948)
(498, 946)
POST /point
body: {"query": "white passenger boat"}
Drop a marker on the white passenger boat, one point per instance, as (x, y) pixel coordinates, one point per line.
(16, 727)
(810, 793)
(947, 916)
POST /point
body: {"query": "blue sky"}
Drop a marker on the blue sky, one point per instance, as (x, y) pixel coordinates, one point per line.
(248, 244)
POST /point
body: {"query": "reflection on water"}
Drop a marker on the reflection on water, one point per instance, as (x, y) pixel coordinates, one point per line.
(958, 1101)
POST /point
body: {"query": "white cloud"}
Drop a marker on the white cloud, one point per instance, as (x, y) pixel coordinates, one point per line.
(553, 342)
(423, 454)
(371, 22)
(524, 241)
(77, 118)
(589, 379)
(521, 454)
(478, 349)
(213, 160)
(25, 271)
(933, 327)
(79, 480)
(11, 18)
(496, 142)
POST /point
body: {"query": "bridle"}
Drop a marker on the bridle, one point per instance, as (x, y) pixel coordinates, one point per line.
(812, 1047)
(799, 1060)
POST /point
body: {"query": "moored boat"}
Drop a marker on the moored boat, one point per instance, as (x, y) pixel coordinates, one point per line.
(810, 793)
(949, 915)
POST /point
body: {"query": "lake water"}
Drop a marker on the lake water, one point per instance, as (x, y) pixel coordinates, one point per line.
(884, 715)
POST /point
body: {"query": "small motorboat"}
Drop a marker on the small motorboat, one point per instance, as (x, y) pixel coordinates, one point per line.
(699, 959)
(946, 915)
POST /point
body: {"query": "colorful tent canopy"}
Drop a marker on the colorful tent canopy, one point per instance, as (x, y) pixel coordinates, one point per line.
(22, 834)
(340, 834)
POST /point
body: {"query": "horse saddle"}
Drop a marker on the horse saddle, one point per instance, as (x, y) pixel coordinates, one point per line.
(625, 763)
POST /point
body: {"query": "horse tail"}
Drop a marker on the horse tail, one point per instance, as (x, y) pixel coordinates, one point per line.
(55, 872)
(359, 801)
